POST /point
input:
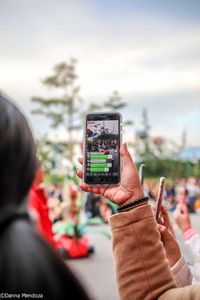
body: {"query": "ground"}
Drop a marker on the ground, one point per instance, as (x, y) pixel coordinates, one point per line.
(97, 271)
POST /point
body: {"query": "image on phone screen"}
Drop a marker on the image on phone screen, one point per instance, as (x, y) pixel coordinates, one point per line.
(102, 150)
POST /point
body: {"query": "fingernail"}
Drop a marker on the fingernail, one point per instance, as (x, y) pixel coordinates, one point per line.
(125, 146)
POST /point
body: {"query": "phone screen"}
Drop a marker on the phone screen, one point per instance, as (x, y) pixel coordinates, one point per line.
(102, 145)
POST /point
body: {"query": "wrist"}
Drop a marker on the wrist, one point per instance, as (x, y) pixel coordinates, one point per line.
(189, 232)
(185, 227)
(132, 204)
(137, 195)
(175, 259)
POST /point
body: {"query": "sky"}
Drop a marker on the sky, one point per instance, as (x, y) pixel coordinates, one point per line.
(147, 50)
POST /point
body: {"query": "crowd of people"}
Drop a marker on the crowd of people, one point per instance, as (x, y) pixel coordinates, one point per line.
(143, 249)
(102, 145)
(185, 190)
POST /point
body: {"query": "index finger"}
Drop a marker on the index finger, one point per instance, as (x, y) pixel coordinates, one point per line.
(80, 160)
(93, 189)
(165, 216)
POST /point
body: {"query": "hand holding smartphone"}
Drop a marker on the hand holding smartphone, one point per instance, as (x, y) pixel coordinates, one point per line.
(118, 191)
(102, 141)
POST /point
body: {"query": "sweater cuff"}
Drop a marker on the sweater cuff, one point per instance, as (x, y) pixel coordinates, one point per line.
(181, 273)
(131, 216)
(188, 233)
(178, 265)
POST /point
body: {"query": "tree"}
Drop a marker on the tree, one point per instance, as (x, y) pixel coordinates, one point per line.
(145, 123)
(50, 153)
(45, 155)
(115, 103)
(62, 110)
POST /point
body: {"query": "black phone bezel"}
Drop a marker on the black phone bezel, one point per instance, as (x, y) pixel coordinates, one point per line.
(102, 180)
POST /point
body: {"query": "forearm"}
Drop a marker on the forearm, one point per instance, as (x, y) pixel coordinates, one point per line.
(139, 255)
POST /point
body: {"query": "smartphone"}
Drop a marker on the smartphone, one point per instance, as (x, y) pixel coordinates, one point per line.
(141, 173)
(102, 141)
(159, 197)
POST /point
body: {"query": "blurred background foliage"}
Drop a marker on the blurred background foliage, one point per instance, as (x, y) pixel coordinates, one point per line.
(67, 110)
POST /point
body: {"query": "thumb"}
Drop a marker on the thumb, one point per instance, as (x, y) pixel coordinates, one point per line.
(130, 176)
(125, 155)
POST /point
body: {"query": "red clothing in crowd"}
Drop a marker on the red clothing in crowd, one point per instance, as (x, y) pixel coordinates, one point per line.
(38, 205)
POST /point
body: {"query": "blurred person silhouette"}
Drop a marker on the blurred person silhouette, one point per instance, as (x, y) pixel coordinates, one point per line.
(38, 206)
(179, 268)
(191, 236)
(182, 195)
(27, 263)
(193, 192)
(92, 206)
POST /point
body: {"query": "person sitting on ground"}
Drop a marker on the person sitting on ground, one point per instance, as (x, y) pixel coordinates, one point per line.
(38, 207)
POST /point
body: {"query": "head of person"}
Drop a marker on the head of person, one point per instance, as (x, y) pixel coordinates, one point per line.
(17, 154)
(182, 194)
(192, 181)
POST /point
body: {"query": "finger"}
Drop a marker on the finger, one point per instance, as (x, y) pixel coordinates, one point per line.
(84, 187)
(80, 160)
(123, 149)
(80, 173)
(165, 233)
(93, 189)
(161, 227)
(88, 188)
(160, 221)
(165, 216)
(125, 155)
(127, 159)
(97, 190)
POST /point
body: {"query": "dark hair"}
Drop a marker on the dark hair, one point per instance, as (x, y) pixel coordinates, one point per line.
(17, 154)
(27, 263)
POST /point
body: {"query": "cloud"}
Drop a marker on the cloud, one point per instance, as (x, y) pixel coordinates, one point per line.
(147, 54)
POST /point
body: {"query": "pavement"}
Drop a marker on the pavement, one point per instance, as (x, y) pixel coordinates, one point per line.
(97, 272)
